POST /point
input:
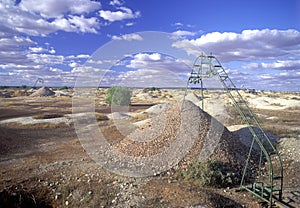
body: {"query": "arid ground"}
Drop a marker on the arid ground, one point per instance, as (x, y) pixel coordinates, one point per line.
(43, 164)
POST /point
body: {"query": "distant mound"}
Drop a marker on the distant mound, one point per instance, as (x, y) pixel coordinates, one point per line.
(43, 92)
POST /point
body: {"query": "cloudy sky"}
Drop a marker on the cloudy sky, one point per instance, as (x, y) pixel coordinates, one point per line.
(257, 41)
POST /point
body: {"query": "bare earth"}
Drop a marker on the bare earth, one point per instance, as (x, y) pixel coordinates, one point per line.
(42, 162)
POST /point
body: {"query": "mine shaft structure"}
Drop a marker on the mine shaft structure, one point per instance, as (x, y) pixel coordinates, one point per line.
(39, 80)
(267, 184)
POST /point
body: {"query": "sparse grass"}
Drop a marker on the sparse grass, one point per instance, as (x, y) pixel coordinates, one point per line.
(48, 115)
(285, 126)
(139, 117)
(281, 131)
(235, 117)
(273, 95)
(79, 195)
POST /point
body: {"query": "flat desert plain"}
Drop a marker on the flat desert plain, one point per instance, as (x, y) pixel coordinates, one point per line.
(43, 164)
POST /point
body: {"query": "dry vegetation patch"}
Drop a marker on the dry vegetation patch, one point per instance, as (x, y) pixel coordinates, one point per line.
(101, 117)
(139, 117)
(163, 193)
(48, 115)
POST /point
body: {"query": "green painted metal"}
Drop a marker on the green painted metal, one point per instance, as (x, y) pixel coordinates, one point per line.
(268, 184)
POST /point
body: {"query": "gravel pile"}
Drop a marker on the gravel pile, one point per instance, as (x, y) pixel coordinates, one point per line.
(43, 92)
(187, 135)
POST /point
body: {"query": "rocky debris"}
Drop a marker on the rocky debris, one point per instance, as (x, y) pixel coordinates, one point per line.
(128, 192)
(5, 95)
(289, 149)
(43, 92)
(193, 98)
(117, 115)
(152, 96)
(245, 136)
(273, 103)
(157, 109)
(60, 93)
(19, 93)
(32, 90)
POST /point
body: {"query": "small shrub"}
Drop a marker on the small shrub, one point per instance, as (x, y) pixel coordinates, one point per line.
(210, 173)
(150, 89)
(101, 117)
(118, 95)
(295, 98)
(63, 88)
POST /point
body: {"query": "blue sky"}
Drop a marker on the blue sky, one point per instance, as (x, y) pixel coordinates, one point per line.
(257, 41)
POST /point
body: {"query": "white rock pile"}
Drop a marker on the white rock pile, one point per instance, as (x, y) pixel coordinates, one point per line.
(43, 92)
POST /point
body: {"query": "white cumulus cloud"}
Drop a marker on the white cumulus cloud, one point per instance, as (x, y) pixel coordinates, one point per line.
(128, 37)
(283, 64)
(49, 16)
(116, 3)
(247, 45)
(121, 14)
(37, 49)
(251, 66)
(183, 33)
(55, 8)
(276, 65)
(158, 61)
(83, 24)
(148, 77)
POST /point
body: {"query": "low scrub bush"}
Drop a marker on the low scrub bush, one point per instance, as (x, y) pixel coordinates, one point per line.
(210, 173)
(101, 117)
(118, 95)
(63, 88)
(150, 89)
